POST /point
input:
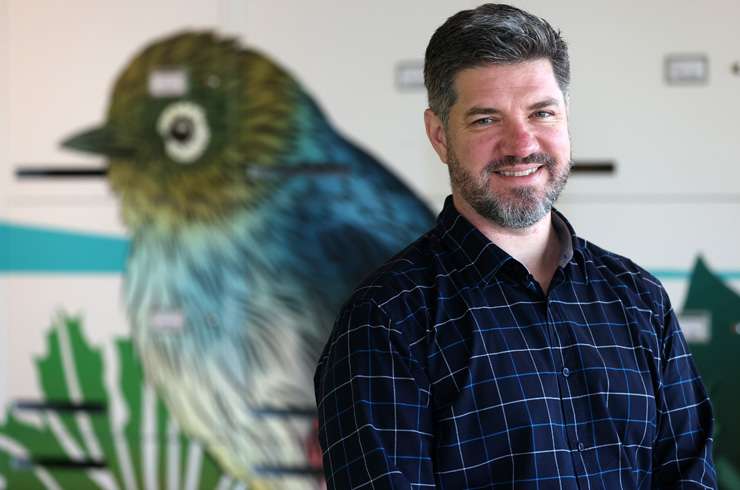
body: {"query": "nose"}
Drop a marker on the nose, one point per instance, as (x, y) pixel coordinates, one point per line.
(518, 139)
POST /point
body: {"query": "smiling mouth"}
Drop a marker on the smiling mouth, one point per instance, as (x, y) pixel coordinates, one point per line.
(520, 173)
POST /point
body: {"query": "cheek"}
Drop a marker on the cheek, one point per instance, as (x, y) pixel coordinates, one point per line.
(556, 142)
(478, 149)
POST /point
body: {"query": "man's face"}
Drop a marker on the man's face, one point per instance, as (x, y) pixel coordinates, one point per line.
(506, 142)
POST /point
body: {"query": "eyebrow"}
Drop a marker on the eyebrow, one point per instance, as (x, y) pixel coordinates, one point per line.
(477, 111)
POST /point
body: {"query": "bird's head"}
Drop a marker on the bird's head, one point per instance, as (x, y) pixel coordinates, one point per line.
(188, 119)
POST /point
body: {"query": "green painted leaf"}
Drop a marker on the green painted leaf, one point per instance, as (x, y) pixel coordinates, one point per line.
(708, 293)
(75, 371)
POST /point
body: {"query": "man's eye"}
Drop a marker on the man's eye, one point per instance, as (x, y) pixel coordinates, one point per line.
(544, 114)
(484, 121)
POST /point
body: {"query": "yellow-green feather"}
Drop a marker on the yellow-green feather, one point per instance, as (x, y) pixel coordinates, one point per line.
(261, 116)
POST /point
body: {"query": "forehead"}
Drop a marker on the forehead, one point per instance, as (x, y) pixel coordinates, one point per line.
(526, 81)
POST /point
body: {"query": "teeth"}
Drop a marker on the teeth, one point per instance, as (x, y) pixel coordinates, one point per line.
(518, 174)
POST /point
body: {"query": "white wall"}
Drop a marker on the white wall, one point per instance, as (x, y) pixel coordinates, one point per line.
(4, 165)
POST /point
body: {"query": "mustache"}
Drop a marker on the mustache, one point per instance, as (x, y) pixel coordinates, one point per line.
(508, 161)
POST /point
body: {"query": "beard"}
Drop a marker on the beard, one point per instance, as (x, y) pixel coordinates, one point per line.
(516, 208)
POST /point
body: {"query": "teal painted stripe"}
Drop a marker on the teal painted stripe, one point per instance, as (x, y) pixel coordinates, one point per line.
(684, 275)
(26, 249)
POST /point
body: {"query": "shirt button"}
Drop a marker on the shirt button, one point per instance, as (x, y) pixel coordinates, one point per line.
(581, 446)
(566, 372)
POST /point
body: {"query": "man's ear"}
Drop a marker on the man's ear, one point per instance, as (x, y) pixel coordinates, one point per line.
(436, 134)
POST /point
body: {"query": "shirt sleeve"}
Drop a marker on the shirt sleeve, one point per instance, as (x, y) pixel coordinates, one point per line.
(683, 448)
(375, 426)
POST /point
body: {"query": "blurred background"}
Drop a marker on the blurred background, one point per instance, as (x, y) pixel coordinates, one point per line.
(655, 98)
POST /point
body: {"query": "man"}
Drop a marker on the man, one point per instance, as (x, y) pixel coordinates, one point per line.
(500, 349)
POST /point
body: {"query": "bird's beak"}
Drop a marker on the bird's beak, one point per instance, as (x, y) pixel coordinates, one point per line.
(101, 141)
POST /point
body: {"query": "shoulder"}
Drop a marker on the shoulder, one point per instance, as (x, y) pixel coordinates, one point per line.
(404, 279)
(623, 274)
(395, 300)
(384, 315)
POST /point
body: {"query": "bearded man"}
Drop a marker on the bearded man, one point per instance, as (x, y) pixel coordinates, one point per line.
(500, 349)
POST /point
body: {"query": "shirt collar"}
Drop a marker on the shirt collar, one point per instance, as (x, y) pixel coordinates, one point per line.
(565, 234)
(480, 259)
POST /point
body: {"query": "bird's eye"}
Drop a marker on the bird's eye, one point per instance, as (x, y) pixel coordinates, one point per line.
(184, 128)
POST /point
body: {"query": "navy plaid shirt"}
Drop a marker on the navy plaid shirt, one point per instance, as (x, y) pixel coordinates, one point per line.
(450, 368)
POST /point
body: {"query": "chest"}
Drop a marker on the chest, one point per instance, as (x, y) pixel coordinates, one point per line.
(577, 365)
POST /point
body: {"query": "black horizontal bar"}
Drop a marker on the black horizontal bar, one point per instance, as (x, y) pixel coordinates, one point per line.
(311, 471)
(59, 463)
(586, 167)
(28, 172)
(279, 170)
(61, 406)
(286, 411)
(56, 172)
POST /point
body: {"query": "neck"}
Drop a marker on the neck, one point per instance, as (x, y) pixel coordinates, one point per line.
(537, 247)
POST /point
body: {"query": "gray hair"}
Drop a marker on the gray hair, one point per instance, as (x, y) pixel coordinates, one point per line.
(489, 34)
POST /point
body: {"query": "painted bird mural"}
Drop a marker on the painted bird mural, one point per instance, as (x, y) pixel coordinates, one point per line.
(251, 219)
